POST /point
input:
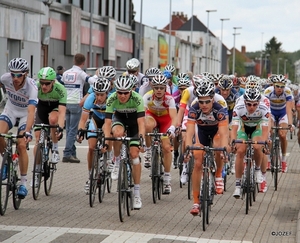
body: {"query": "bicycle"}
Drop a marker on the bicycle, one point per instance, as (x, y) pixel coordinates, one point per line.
(157, 170)
(42, 167)
(207, 188)
(9, 176)
(100, 176)
(248, 185)
(274, 153)
(125, 180)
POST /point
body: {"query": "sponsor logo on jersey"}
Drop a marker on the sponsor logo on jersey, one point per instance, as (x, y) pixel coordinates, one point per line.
(222, 103)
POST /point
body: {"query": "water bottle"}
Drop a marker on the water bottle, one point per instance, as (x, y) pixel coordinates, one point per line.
(15, 160)
(223, 171)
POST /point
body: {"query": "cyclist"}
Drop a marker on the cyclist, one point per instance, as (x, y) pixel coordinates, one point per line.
(238, 83)
(160, 112)
(133, 67)
(22, 100)
(171, 88)
(125, 108)
(171, 68)
(206, 118)
(150, 73)
(215, 78)
(51, 108)
(96, 101)
(250, 119)
(281, 101)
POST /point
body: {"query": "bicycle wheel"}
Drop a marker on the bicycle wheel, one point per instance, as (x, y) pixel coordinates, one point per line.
(155, 175)
(248, 195)
(16, 199)
(205, 197)
(102, 186)
(211, 194)
(276, 164)
(94, 179)
(180, 163)
(129, 191)
(121, 190)
(37, 172)
(189, 173)
(51, 168)
(108, 182)
(160, 181)
(4, 184)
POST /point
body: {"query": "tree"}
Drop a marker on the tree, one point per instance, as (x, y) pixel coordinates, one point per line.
(273, 47)
(239, 64)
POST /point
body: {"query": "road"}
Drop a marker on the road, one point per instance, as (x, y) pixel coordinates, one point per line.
(65, 215)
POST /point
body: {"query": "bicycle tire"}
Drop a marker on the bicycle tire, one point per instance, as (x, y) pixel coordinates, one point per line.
(94, 179)
(48, 182)
(160, 180)
(16, 199)
(248, 195)
(211, 193)
(121, 191)
(205, 197)
(109, 182)
(4, 185)
(190, 171)
(180, 163)
(129, 191)
(276, 168)
(37, 173)
(225, 176)
(102, 177)
(155, 174)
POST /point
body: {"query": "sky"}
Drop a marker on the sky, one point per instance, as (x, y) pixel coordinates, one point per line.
(260, 19)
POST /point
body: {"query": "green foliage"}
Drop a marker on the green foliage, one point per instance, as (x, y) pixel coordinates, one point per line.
(239, 65)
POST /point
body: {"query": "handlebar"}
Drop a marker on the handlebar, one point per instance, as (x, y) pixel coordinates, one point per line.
(249, 142)
(42, 125)
(11, 136)
(206, 148)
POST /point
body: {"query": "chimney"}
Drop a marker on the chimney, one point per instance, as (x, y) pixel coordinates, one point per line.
(244, 50)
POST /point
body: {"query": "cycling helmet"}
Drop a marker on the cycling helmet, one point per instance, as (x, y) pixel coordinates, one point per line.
(18, 65)
(215, 77)
(170, 68)
(252, 82)
(133, 64)
(205, 88)
(197, 79)
(242, 81)
(183, 80)
(124, 82)
(134, 80)
(205, 74)
(47, 73)
(252, 94)
(167, 74)
(101, 85)
(279, 79)
(159, 80)
(108, 72)
(225, 83)
(150, 72)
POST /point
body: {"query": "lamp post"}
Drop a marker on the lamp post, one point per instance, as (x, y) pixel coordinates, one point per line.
(278, 59)
(141, 29)
(191, 40)
(207, 38)
(91, 34)
(285, 67)
(233, 58)
(261, 54)
(266, 59)
(222, 41)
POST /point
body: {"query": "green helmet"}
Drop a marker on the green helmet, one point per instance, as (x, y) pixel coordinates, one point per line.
(47, 73)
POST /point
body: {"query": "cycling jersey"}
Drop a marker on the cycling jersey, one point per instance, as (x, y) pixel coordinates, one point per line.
(57, 96)
(18, 101)
(177, 97)
(263, 100)
(74, 80)
(230, 100)
(278, 103)
(187, 97)
(146, 87)
(141, 78)
(240, 91)
(90, 104)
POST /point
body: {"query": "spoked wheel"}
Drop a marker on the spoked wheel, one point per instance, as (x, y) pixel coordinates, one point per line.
(129, 192)
(37, 172)
(180, 167)
(51, 168)
(248, 190)
(212, 192)
(4, 185)
(276, 167)
(94, 179)
(16, 199)
(225, 176)
(108, 182)
(102, 186)
(160, 179)
(189, 174)
(121, 190)
(155, 175)
(205, 198)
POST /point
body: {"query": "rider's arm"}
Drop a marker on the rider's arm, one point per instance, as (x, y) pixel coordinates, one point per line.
(289, 112)
(30, 117)
(83, 119)
(173, 115)
(223, 132)
(61, 115)
(141, 125)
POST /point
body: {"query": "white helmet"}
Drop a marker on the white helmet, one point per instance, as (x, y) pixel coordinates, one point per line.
(159, 79)
(108, 72)
(133, 64)
(205, 88)
(170, 68)
(252, 94)
(124, 82)
(151, 72)
(198, 79)
(18, 65)
(183, 80)
(101, 85)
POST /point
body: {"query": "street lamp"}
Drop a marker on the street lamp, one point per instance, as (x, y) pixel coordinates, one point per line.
(191, 40)
(266, 59)
(285, 67)
(261, 54)
(222, 41)
(233, 61)
(207, 38)
(278, 59)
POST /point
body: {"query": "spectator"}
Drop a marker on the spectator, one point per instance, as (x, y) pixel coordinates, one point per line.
(74, 79)
(59, 74)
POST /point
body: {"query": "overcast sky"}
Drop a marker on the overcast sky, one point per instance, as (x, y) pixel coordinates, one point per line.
(279, 18)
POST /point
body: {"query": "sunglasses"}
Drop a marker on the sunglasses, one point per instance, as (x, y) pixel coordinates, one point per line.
(251, 104)
(131, 72)
(159, 88)
(225, 89)
(16, 75)
(279, 86)
(45, 83)
(123, 93)
(204, 101)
